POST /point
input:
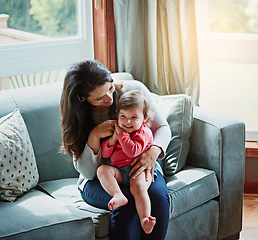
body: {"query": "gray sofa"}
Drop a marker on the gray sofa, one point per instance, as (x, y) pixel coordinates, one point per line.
(205, 177)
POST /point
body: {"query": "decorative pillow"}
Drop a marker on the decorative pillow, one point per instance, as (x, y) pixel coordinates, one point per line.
(18, 169)
(178, 110)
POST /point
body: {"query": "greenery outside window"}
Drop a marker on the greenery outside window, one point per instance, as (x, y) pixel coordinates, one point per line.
(50, 35)
(228, 52)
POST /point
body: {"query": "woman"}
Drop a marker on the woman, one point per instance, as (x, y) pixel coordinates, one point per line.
(88, 108)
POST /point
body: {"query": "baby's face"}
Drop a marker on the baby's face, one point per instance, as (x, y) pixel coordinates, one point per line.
(130, 119)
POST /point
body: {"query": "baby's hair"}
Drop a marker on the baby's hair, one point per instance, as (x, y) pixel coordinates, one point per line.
(136, 98)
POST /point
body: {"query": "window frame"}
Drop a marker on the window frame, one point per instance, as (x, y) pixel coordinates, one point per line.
(232, 48)
(51, 55)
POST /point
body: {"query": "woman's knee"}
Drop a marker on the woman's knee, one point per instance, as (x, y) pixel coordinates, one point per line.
(94, 194)
(159, 196)
(159, 188)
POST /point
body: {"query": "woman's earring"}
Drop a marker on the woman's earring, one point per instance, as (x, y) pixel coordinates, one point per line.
(80, 98)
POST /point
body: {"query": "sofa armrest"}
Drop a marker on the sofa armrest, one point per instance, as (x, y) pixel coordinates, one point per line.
(218, 143)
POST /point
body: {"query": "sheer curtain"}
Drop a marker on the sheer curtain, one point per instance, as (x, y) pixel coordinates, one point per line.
(156, 41)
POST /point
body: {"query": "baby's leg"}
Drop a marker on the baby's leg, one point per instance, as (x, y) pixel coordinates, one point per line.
(109, 178)
(139, 188)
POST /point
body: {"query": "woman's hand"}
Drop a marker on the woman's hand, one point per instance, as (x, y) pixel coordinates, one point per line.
(102, 130)
(146, 161)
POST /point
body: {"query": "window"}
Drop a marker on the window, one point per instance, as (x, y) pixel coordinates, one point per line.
(52, 35)
(228, 51)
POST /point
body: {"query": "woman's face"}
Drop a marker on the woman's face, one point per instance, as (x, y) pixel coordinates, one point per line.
(102, 96)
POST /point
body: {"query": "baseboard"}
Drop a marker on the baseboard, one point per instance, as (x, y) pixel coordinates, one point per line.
(251, 186)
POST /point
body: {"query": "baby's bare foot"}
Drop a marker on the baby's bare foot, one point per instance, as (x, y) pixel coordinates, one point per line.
(117, 201)
(148, 224)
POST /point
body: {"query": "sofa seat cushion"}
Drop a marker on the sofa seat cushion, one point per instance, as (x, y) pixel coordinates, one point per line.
(66, 191)
(189, 188)
(36, 215)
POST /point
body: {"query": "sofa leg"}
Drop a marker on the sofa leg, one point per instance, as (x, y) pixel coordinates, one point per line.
(233, 237)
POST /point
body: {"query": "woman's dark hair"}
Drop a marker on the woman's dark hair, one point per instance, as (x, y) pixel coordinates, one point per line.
(76, 114)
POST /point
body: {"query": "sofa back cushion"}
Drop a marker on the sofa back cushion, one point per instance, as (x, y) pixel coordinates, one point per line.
(40, 109)
(178, 111)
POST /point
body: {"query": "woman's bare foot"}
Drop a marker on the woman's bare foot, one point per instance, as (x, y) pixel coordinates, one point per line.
(148, 224)
(117, 201)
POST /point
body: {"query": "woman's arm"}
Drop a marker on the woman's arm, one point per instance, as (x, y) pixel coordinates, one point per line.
(87, 163)
(103, 130)
(90, 158)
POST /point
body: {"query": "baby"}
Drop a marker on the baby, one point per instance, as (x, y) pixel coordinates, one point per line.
(131, 137)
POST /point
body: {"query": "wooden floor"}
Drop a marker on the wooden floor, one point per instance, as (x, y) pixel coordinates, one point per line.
(250, 217)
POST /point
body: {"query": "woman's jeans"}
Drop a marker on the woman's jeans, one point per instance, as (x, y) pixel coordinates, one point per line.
(124, 222)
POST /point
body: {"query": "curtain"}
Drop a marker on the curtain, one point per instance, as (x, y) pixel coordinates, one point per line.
(156, 41)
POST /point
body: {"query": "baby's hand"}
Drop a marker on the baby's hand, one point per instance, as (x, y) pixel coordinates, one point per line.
(112, 140)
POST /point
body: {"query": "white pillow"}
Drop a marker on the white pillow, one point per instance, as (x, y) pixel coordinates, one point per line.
(178, 111)
(18, 168)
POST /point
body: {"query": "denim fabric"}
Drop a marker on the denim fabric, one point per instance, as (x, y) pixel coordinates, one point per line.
(124, 222)
(127, 169)
(125, 174)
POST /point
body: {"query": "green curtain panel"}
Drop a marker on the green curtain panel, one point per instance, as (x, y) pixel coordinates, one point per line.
(157, 41)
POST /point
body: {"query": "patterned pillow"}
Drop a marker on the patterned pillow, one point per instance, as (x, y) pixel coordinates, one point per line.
(18, 169)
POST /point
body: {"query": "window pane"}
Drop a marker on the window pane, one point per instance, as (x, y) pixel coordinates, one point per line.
(37, 20)
(231, 89)
(228, 40)
(230, 16)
